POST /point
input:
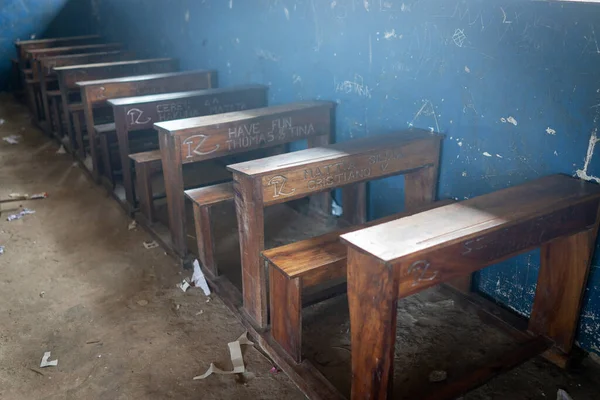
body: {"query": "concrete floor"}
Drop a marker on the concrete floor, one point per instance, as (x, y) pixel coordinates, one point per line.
(73, 274)
(74, 280)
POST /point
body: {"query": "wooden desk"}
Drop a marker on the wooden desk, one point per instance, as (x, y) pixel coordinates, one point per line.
(399, 258)
(96, 94)
(70, 75)
(33, 55)
(139, 113)
(23, 45)
(282, 178)
(45, 72)
(200, 139)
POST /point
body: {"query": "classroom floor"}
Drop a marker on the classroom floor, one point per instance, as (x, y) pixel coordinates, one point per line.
(76, 281)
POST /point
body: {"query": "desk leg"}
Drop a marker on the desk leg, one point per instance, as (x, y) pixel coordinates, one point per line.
(354, 203)
(321, 202)
(77, 117)
(249, 208)
(124, 151)
(372, 298)
(565, 264)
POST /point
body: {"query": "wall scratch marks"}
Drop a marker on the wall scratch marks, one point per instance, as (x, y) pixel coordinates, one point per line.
(427, 109)
(583, 173)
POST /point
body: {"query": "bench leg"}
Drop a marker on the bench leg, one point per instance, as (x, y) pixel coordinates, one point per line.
(143, 177)
(77, 125)
(106, 164)
(372, 298)
(354, 203)
(204, 238)
(249, 209)
(286, 312)
(320, 201)
(31, 99)
(564, 268)
(56, 123)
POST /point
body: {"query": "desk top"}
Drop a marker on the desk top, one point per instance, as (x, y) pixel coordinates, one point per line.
(127, 101)
(235, 116)
(329, 153)
(110, 64)
(454, 223)
(139, 78)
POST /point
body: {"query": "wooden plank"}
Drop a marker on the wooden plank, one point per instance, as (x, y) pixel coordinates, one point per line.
(292, 176)
(96, 93)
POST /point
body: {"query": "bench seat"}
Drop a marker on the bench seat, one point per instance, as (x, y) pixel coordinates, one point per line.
(306, 264)
(202, 199)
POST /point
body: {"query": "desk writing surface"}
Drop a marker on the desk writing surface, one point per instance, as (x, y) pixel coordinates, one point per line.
(109, 64)
(138, 78)
(456, 222)
(178, 95)
(331, 152)
(235, 116)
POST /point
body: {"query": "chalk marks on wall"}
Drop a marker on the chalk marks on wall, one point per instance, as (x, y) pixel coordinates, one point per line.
(355, 86)
(583, 173)
(426, 112)
(459, 37)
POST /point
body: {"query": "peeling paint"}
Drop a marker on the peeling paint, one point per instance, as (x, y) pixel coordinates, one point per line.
(550, 131)
(287, 13)
(485, 153)
(510, 120)
(389, 35)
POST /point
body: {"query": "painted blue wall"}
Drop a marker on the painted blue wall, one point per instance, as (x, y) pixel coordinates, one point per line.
(22, 19)
(515, 86)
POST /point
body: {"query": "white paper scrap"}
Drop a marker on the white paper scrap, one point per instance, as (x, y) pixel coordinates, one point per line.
(12, 139)
(199, 280)
(45, 363)
(237, 360)
(336, 209)
(150, 245)
(24, 212)
(61, 150)
(185, 285)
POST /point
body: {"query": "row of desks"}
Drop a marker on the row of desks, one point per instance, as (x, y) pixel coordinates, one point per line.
(193, 122)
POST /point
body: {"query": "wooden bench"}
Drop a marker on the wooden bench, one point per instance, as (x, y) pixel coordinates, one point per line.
(135, 114)
(309, 263)
(200, 139)
(49, 82)
(68, 77)
(33, 57)
(403, 257)
(94, 94)
(413, 153)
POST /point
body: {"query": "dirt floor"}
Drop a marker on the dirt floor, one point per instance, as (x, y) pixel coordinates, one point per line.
(76, 281)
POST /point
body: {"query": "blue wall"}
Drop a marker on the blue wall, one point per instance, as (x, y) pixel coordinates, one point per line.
(514, 85)
(20, 19)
